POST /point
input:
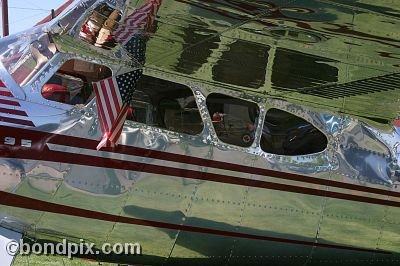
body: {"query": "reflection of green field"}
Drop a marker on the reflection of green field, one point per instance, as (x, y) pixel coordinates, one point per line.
(209, 205)
(53, 260)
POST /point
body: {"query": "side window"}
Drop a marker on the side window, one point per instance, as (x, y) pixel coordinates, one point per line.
(287, 134)
(98, 27)
(167, 105)
(234, 120)
(72, 83)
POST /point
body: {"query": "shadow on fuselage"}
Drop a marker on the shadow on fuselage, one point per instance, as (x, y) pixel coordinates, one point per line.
(209, 245)
(217, 249)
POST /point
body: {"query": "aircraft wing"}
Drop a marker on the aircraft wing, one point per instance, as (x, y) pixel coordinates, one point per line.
(341, 56)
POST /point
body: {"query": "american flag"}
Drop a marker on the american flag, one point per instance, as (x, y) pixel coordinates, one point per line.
(113, 97)
(140, 20)
(115, 93)
(11, 111)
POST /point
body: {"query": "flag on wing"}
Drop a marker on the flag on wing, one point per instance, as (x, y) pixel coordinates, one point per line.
(115, 93)
(140, 20)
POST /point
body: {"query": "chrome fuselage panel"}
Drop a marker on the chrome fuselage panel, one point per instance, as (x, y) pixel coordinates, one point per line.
(205, 192)
(192, 198)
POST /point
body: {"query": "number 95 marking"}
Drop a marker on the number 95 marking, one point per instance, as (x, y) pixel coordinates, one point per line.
(10, 141)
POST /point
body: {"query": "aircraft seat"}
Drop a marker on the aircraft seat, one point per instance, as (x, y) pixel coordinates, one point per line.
(130, 114)
(55, 92)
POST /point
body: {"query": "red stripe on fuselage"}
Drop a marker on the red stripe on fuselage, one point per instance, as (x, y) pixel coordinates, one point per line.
(41, 138)
(35, 153)
(16, 121)
(12, 111)
(8, 102)
(13, 200)
(6, 94)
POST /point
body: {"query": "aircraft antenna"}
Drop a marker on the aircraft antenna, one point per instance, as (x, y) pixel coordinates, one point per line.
(4, 11)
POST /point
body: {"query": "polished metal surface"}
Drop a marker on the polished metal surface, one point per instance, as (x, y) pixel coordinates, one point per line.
(193, 199)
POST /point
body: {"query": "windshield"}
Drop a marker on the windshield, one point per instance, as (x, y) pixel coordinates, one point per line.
(24, 54)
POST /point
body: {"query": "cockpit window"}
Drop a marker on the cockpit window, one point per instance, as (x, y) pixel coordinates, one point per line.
(24, 56)
(98, 27)
(72, 83)
(167, 105)
(234, 119)
(287, 134)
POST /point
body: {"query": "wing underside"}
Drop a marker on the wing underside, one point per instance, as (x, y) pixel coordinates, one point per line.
(334, 55)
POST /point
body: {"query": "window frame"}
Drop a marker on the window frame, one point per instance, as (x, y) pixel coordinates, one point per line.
(136, 124)
(256, 138)
(306, 119)
(54, 70)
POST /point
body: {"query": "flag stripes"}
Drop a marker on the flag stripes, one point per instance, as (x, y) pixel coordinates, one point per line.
(114, 94)
(112, 110)
(10, 110)
(140, 20)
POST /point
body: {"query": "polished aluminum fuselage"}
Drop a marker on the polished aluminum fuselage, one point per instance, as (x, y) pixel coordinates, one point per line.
(194, 199)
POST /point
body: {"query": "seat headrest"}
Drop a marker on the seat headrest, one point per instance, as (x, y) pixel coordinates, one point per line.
(55, 92)
(130, 114)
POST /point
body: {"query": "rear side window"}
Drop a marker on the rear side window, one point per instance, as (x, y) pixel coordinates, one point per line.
(287, 134)
(167, 105)
(234, 120)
